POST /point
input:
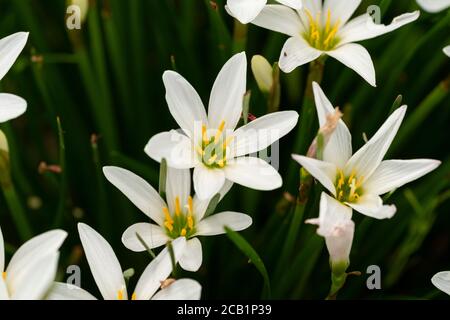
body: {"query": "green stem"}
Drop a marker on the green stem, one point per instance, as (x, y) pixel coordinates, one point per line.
(239, 36)
(63, 180)
(18, 213)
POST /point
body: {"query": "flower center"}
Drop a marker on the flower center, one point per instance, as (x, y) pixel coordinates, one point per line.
(319, 36)
(348, 189)
(182, 223)
(212, 151)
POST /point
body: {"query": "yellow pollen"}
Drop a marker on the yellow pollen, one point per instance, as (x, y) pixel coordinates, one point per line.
(177, 206)
(204, 135)
(190, 222)
(168, 225)
(120, 294)
(219, 132)
(4, 275)
(221, 163)
(190, 205)
(183, 232)
(133, 296)
(167, 215)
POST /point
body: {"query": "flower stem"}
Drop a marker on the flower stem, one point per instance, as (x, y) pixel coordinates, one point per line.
(17, 211)
(239, 36)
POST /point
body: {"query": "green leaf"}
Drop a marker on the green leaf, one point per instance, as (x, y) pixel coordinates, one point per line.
(162, 178)
(212, 205)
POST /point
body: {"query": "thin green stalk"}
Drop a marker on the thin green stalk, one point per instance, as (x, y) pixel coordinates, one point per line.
(63, 179)
(239, 36)
(17, 211)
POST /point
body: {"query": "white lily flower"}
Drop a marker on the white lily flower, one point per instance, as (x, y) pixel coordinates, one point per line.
(319, 29)
(180, 216)
(434, 6)
(357, 181)
(32, 269)
(11, 106)
(441, 280)
(108, 275)
(247, 10)
(210, 144)
(447, 51)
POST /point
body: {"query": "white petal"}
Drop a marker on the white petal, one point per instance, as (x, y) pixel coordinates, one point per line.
(245, 10)
(10, 48)
(364, 162)
(339, 244)
(339, 147)
(2, 252)
(332, 214)
(363, 27)
(33, 250)
(441, 280)
(297, 52)
(357, 58)
(340, 10)
(214, 225)
(154, 236)
(279, 19)
(176, 148)
(208, 182)
(33, 281)
(184, 102)
(4, 295)
(192, 257)
(183, 289)
(324, 172)
(105, 266)
(138, 191)
(65, 291)
(262, 132)
(158, 270)
(11, 106)
(392, 174)
(313, 6)
(447, 51)
(372, 206)
(294, 4)
(227, 94)
(200, 206)
(434, 6)
(253, 173)
(178, 185)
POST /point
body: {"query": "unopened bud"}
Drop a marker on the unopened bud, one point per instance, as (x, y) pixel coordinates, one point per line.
(263, 73)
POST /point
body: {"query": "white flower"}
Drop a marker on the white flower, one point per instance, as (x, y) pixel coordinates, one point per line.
(247, 10)
(11, 106)
(32, 269)
(357, 181)
(180, 216)
(109, 278)
(441, 280)
(447, 51)
(319, 29)
(210, 144)
(434, 6)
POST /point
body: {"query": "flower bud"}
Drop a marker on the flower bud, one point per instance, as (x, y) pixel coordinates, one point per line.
(263, 73)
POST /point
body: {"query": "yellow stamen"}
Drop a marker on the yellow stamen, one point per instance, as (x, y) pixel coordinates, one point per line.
(204, 135)
(177, 206)
(190, 205)
(350, 179)
(219, 132)
(168, 225)
(183, 232)
(120, 295)
(133, 296)
(212, 159)
(4, 275)
(167, 215)
(327, 25)
(190, 222)
(341, 194)
(221, 163)
(332, 33)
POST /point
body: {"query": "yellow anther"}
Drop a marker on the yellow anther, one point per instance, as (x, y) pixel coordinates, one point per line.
(204, 135)
(120, 294)
(167, 215)
(352, 176)
(177, 206)
(4, 275)
(183, 232)
(133, 296)
(341, 194)
(190, 222)
(190, 205)
(219, 132)
(221, 163)
(168, 225)
(212, 159)
(328, 23)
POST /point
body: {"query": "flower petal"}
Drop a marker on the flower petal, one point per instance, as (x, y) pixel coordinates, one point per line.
(295, 53)
(178, 185)
(446, 50)
(138, 191)
(4, 295)
(313, 6)
(183, 289)
(339, 244)
(227, 94)
(176, 148)
(324, 172)
(357, 58)
(105, 266)
(154, 236)
(214, 225)
(208, 182)
(339, 147)
(363, 27)
(262, 132)
(184, 102)
(11, 106)
(2, 252)
(434, 6)
(279, 19)
(65, 291)
(340, 11)
(192, 256)
(392, 174)
(10, 48)
(372, 206)
(200, 206)
(365, 161)
(441, 280)
(294, 4)
(253, 173)
(245, 10)
(158, 270)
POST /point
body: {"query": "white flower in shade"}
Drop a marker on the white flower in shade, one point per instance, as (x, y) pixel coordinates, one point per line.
(32, 269)
(447, 51)
(326, 28)
(180, 216)
(247, 10)
(441, 280)
(357, 181)
(11, 106)
(209, 143)
(434, 6)
(108, 275)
